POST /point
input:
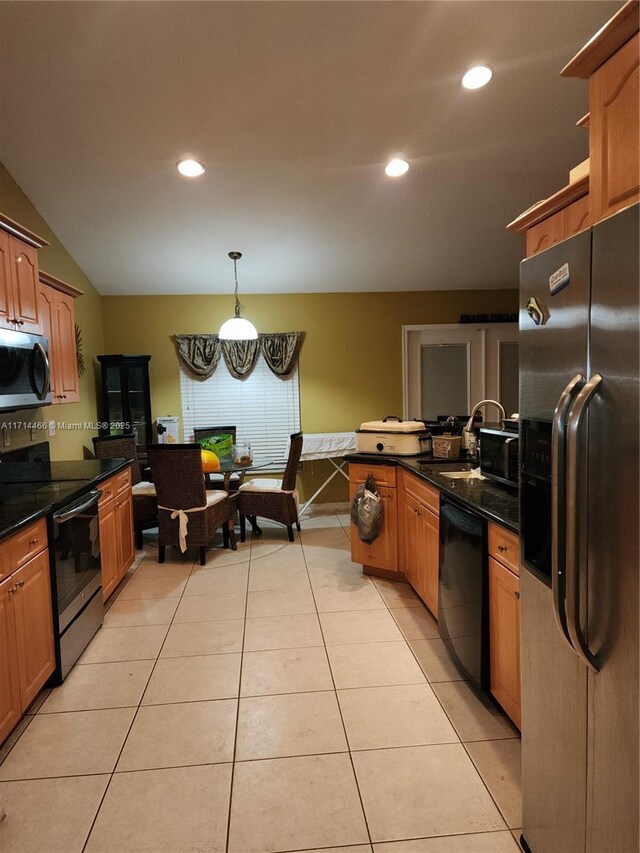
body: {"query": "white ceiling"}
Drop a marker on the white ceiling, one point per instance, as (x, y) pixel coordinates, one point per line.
(294, 107)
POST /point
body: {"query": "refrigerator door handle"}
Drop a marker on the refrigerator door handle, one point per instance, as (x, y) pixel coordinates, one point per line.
(558, 503)
(574, 502)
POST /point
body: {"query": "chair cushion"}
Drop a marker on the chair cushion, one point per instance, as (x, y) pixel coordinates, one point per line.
(215, 497)
(143, 488)
(262, 486)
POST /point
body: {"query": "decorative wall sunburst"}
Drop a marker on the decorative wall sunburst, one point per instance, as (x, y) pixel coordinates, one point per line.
(79, 354)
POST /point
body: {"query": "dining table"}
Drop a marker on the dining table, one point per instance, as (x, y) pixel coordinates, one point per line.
(228, 467)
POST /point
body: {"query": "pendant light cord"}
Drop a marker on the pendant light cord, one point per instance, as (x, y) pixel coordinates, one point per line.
(235, 275)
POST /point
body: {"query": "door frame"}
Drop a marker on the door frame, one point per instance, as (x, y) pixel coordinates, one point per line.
(483, 328)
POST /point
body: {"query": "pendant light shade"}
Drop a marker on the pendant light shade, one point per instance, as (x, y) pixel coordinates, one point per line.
(237, 328)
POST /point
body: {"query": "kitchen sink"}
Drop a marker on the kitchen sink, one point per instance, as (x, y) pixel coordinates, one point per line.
(474, 474)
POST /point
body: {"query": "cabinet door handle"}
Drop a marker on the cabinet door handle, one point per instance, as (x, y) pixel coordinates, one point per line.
(33, 541)
(502, 548)
(517, 594)
(20, 322)
(13, 589)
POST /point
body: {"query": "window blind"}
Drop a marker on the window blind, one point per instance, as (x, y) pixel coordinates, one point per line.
(264, 407)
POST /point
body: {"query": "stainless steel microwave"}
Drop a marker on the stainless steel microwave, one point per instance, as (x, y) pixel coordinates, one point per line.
(24, 371)
(499, 456)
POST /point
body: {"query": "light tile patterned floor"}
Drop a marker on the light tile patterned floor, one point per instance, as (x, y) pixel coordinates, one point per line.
(274, 700)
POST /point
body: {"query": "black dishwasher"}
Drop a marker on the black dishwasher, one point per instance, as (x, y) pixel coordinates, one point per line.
(463, 611)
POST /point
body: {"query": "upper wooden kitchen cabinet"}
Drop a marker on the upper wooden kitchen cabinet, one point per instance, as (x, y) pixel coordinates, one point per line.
(58, 323)
(610, 61)
(19, 287)
(382, 553)
(613, 132)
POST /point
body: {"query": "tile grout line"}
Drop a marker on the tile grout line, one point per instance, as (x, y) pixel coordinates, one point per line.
(126, 737)
(455, 728)
(335, 693)
(237, 721)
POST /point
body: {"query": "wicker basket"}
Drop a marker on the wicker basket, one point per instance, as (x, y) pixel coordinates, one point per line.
(446, 446)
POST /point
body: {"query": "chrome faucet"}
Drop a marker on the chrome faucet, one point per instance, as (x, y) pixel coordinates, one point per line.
(469, 440)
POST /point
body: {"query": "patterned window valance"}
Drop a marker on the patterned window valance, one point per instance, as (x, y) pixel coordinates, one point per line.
(200, 354)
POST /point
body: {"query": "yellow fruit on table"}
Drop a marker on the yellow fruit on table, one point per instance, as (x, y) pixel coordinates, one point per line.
(210, 461)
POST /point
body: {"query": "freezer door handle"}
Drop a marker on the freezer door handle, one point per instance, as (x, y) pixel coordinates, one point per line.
(558, 503)
(576, 494)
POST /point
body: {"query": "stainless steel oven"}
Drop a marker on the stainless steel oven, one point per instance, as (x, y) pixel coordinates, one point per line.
(24, 371)
(499, 455)
(78, 578)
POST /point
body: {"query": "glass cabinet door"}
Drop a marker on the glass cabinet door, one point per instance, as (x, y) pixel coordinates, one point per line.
(126, 399)
(115, 414)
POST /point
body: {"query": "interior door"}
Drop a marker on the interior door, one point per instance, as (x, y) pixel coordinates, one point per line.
(445, 370)
(450, 368)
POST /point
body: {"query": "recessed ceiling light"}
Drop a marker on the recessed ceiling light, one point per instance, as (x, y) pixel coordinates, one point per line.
(190, 168)
(477, 77)
(396, 167)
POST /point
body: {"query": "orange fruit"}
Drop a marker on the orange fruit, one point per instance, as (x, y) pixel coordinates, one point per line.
(210, 462)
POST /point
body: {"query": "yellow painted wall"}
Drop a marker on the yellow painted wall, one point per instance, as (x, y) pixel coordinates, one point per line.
(351, 359)
(55, 260)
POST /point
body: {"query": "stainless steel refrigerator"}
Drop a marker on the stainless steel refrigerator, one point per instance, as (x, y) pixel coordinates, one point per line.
(579, 537)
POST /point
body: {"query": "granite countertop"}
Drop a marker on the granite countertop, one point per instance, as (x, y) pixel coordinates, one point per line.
(493, 501)
(32, 490)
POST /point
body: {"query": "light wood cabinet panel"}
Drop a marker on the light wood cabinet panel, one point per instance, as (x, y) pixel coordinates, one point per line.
(19, 290)
(382, 553)
(504, 620)
(26, 304)
(58, 324)
(108, 523)
(423, 551)
(545, 234)
(384, 475)
(117, 549)
(47, 297)
(23, 546)
(421, 491)
(34, 626)
(126, 548)
(577, 217)
(504, 546)
(66, 350)
(6, 296)
(613, 132)
(10, 706)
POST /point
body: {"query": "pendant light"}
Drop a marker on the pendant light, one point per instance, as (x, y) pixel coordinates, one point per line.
(237, 328)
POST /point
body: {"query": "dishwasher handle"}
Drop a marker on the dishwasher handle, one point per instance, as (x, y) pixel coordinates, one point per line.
(464, 520)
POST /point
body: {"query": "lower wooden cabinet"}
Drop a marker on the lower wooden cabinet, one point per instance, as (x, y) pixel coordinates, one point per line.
(10, 704)
(504, 621)
(382, 553)
(27, 655)
(422, 555)
(117, 550)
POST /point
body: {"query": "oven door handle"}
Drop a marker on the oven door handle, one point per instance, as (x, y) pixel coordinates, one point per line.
(76, 509)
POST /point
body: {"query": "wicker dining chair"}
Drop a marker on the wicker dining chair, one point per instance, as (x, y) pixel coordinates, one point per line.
(216, 481)
(145, 503)
(274, 499)
(182, 497)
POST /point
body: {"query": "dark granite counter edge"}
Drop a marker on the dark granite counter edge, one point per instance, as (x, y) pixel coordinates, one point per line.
(409, 464)
(31, 516)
